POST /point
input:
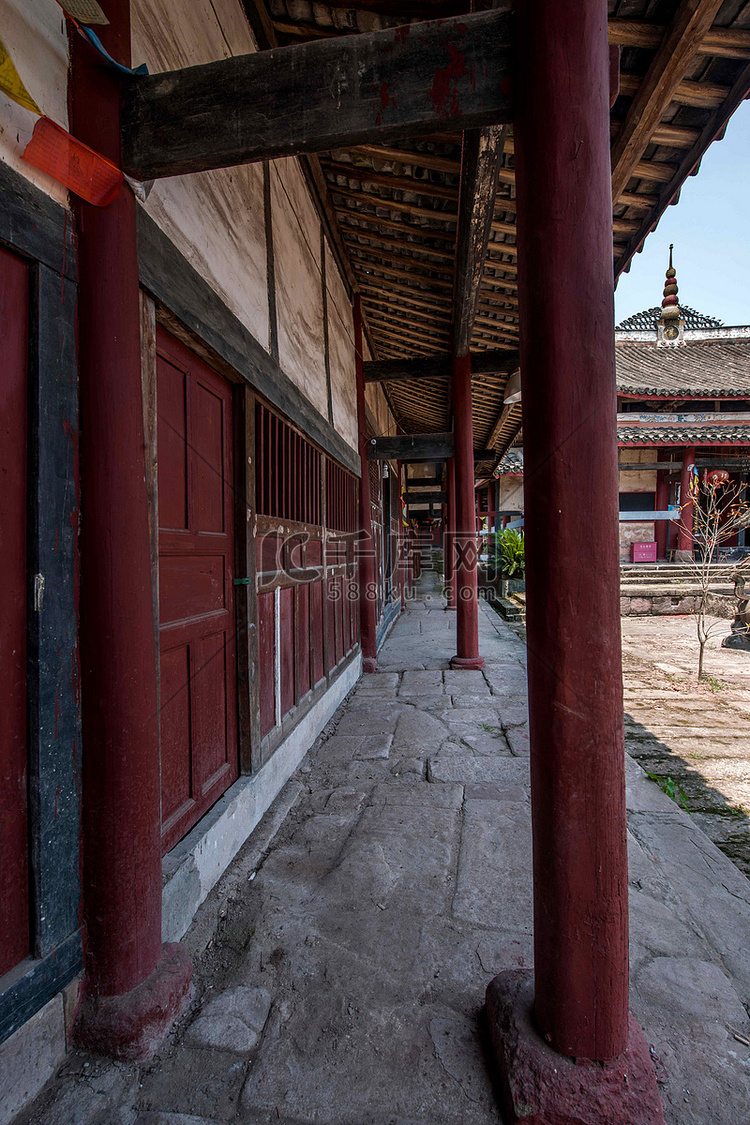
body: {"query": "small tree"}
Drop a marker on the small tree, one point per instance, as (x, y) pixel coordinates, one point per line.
(719, 512)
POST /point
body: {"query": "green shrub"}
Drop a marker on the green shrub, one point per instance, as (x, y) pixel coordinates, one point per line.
(507, 552)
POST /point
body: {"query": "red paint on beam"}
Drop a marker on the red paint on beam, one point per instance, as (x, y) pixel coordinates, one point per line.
(444, 92)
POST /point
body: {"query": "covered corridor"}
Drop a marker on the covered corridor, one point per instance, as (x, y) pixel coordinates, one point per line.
(342, 961)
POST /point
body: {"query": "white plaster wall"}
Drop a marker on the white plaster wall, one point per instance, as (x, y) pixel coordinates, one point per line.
(216, 219)
(299, 287)
(35, 37)
(510, 493)
(341, 353)
(633, 481)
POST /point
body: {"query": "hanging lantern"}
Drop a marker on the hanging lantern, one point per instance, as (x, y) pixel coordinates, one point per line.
(716, 478)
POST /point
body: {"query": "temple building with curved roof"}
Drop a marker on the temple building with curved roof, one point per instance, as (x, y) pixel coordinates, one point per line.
(683, 398)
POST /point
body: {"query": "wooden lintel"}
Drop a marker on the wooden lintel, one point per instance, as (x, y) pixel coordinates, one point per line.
(481, 158)
(425, 497)
(648, 466)
(411, 447)
(355, 89)
(485, 455)
(423, 482)
(437, 366)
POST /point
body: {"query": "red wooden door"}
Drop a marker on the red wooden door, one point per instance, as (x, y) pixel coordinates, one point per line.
(14, 871)
(199, 757)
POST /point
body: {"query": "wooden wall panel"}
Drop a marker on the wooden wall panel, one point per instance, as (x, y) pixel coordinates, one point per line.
(216, 219)
(14, 869)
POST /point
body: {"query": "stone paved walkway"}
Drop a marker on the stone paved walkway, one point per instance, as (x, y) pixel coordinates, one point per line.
(341, 963)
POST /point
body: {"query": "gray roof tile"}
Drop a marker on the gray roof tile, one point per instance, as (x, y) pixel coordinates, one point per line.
(699, 369)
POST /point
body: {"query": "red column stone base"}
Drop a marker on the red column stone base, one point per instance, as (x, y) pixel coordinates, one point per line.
(468, 662)
(539, 1086)
(132, 1026)
(369, 664)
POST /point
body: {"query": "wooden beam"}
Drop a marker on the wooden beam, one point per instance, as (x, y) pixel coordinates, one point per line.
(412, 497)
(356, 89)
(404, 9)
(425, 482)
(436, 366)
(391, 224)
(390, 180)
(398, 244)
(415, 159)
(374, 254)
(374, 200)
(481, 157)
(723, 42)
(433, 337)
(701, 95)
(670, 64)
(411, 447)
(362, 261)
(421, 319)
(385, 296)
(416, 296)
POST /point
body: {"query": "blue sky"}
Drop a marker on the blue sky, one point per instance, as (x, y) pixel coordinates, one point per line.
(710, 229)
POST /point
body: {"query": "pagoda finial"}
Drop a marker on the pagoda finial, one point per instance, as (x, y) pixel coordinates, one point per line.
(671, 323)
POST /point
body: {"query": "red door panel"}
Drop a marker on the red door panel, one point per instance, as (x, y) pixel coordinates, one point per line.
(14, 872)
(303, 639)
(267, 662)
(286, 648)
(196, 592)
(317, 632)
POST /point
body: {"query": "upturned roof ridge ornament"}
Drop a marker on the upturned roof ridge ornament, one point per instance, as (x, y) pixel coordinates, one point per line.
(670, 327)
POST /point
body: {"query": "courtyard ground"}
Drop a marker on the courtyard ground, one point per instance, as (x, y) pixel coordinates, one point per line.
(341, 963)
(696, 734)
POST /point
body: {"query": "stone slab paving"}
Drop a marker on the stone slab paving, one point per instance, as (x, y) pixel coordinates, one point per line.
(697, 734)
(344, 977)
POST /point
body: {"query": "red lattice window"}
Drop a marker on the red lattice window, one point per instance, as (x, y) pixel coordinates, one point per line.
(287, 471)
(341, 498)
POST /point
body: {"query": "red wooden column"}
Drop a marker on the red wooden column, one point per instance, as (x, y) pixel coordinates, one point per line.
(135, 987)
(366, 544)
(467, 615)
(565, 288)
(402, 569)
(685, 526)
(662, 503)
(449, 553)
